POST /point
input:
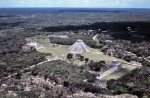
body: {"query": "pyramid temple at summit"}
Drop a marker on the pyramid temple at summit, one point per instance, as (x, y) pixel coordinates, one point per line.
(79, 47)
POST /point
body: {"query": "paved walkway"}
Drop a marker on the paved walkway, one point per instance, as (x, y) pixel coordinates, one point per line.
(95, 36)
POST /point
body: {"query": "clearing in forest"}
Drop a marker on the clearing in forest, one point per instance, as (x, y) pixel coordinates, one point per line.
(61, 51)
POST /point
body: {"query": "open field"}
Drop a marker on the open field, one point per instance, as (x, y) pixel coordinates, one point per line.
(95, 55)
(38, 39)
(59, 51)
(62, 51)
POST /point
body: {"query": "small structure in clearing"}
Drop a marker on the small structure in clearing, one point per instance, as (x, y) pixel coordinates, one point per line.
(33, 45)
(114, 64)
(136, 63)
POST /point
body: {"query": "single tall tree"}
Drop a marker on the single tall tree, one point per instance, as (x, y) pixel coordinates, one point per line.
(69, 56)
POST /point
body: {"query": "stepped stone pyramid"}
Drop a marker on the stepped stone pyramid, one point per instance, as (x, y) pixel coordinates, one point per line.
(78, 47)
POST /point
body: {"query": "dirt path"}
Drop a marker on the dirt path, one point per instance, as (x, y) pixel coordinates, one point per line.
(95, 36)
(26, 69)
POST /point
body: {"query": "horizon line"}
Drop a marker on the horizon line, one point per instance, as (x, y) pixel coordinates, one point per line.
(82, 7)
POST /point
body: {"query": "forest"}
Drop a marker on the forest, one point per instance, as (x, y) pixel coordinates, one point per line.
(143, 27)
(13, 57)
(117, 37)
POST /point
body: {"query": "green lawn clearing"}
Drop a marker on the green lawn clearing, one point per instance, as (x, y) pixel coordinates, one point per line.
(59, 51)
(38, 39)
(62, 50)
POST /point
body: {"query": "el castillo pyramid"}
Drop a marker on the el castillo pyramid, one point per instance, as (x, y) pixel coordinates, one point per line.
(78, 47)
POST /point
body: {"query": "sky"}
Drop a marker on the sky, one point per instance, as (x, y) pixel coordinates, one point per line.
(76, 3)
